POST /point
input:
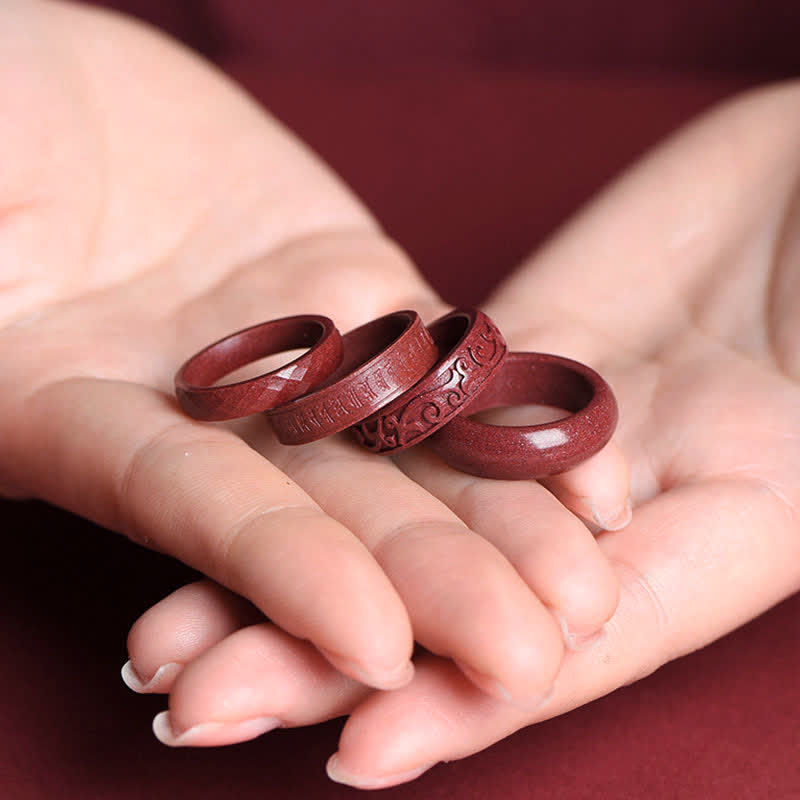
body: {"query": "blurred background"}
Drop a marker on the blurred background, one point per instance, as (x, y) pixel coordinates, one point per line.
(472, 129)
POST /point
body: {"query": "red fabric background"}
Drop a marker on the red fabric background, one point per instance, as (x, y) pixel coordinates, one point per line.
(472, 129)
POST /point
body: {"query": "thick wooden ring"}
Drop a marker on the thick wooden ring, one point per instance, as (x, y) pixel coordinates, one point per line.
(471, 349)
(382, 359)
(532, 451)
(200, 399)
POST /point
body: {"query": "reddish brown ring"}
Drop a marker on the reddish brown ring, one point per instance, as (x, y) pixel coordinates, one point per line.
(532, 451)
(382, 359)
(200, 399)
(471, 349)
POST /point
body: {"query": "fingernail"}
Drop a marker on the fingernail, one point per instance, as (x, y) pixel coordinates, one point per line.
(339, 775)
(613, 520)
(494, 688)
(164, 676)
(578, 642)
(387, 680)
(211, 733)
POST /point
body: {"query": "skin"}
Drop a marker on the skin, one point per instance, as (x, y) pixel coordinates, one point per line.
(703, 351)
(150, 208)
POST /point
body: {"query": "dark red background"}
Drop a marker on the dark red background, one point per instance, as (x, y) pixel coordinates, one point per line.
(471, 129)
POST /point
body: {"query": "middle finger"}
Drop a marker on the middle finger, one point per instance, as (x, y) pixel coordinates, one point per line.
(465, 600)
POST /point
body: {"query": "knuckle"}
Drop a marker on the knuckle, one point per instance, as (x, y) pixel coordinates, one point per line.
(409, 533)
(131, 491)
(233, 548)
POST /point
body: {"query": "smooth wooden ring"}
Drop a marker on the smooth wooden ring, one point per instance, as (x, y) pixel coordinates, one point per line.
(471, 349)
(382, 359)
(201, 399)
(532, 451)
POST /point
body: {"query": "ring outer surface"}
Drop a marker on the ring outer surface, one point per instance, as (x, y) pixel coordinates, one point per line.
(382, 359)
(532, 451)
(201, 399)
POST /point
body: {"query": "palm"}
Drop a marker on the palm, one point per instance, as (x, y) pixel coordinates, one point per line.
(150, 204)
(144, 221)
(682, 290)
(153, 208)
(708, 416)
(708, 426)
(679, 289)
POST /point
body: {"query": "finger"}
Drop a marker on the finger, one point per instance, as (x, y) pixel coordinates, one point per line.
(455, 711)
(464, 599)
(180, 628)
(253, 681)
(553, 552)
(597, 490)
(122, 455)
(692, 568)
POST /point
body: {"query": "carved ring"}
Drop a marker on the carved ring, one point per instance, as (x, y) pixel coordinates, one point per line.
(471, 349)
(382, 359)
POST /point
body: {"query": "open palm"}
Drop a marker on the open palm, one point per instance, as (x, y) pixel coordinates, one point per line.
(149, 208)
(680, 284)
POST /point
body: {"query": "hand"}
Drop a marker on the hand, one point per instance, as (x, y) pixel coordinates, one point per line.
(680, 283)
(148, 208)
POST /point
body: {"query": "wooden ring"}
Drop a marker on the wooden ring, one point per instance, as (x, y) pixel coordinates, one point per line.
(471, 349)
(382, 359)
(532, 451)
(201, 399)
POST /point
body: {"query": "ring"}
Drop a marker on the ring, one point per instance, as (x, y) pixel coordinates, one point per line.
(382, 359)
(532, 451)
(471, 349)
(201, 399)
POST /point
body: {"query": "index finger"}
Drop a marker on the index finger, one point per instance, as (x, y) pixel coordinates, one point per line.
(121, 454)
